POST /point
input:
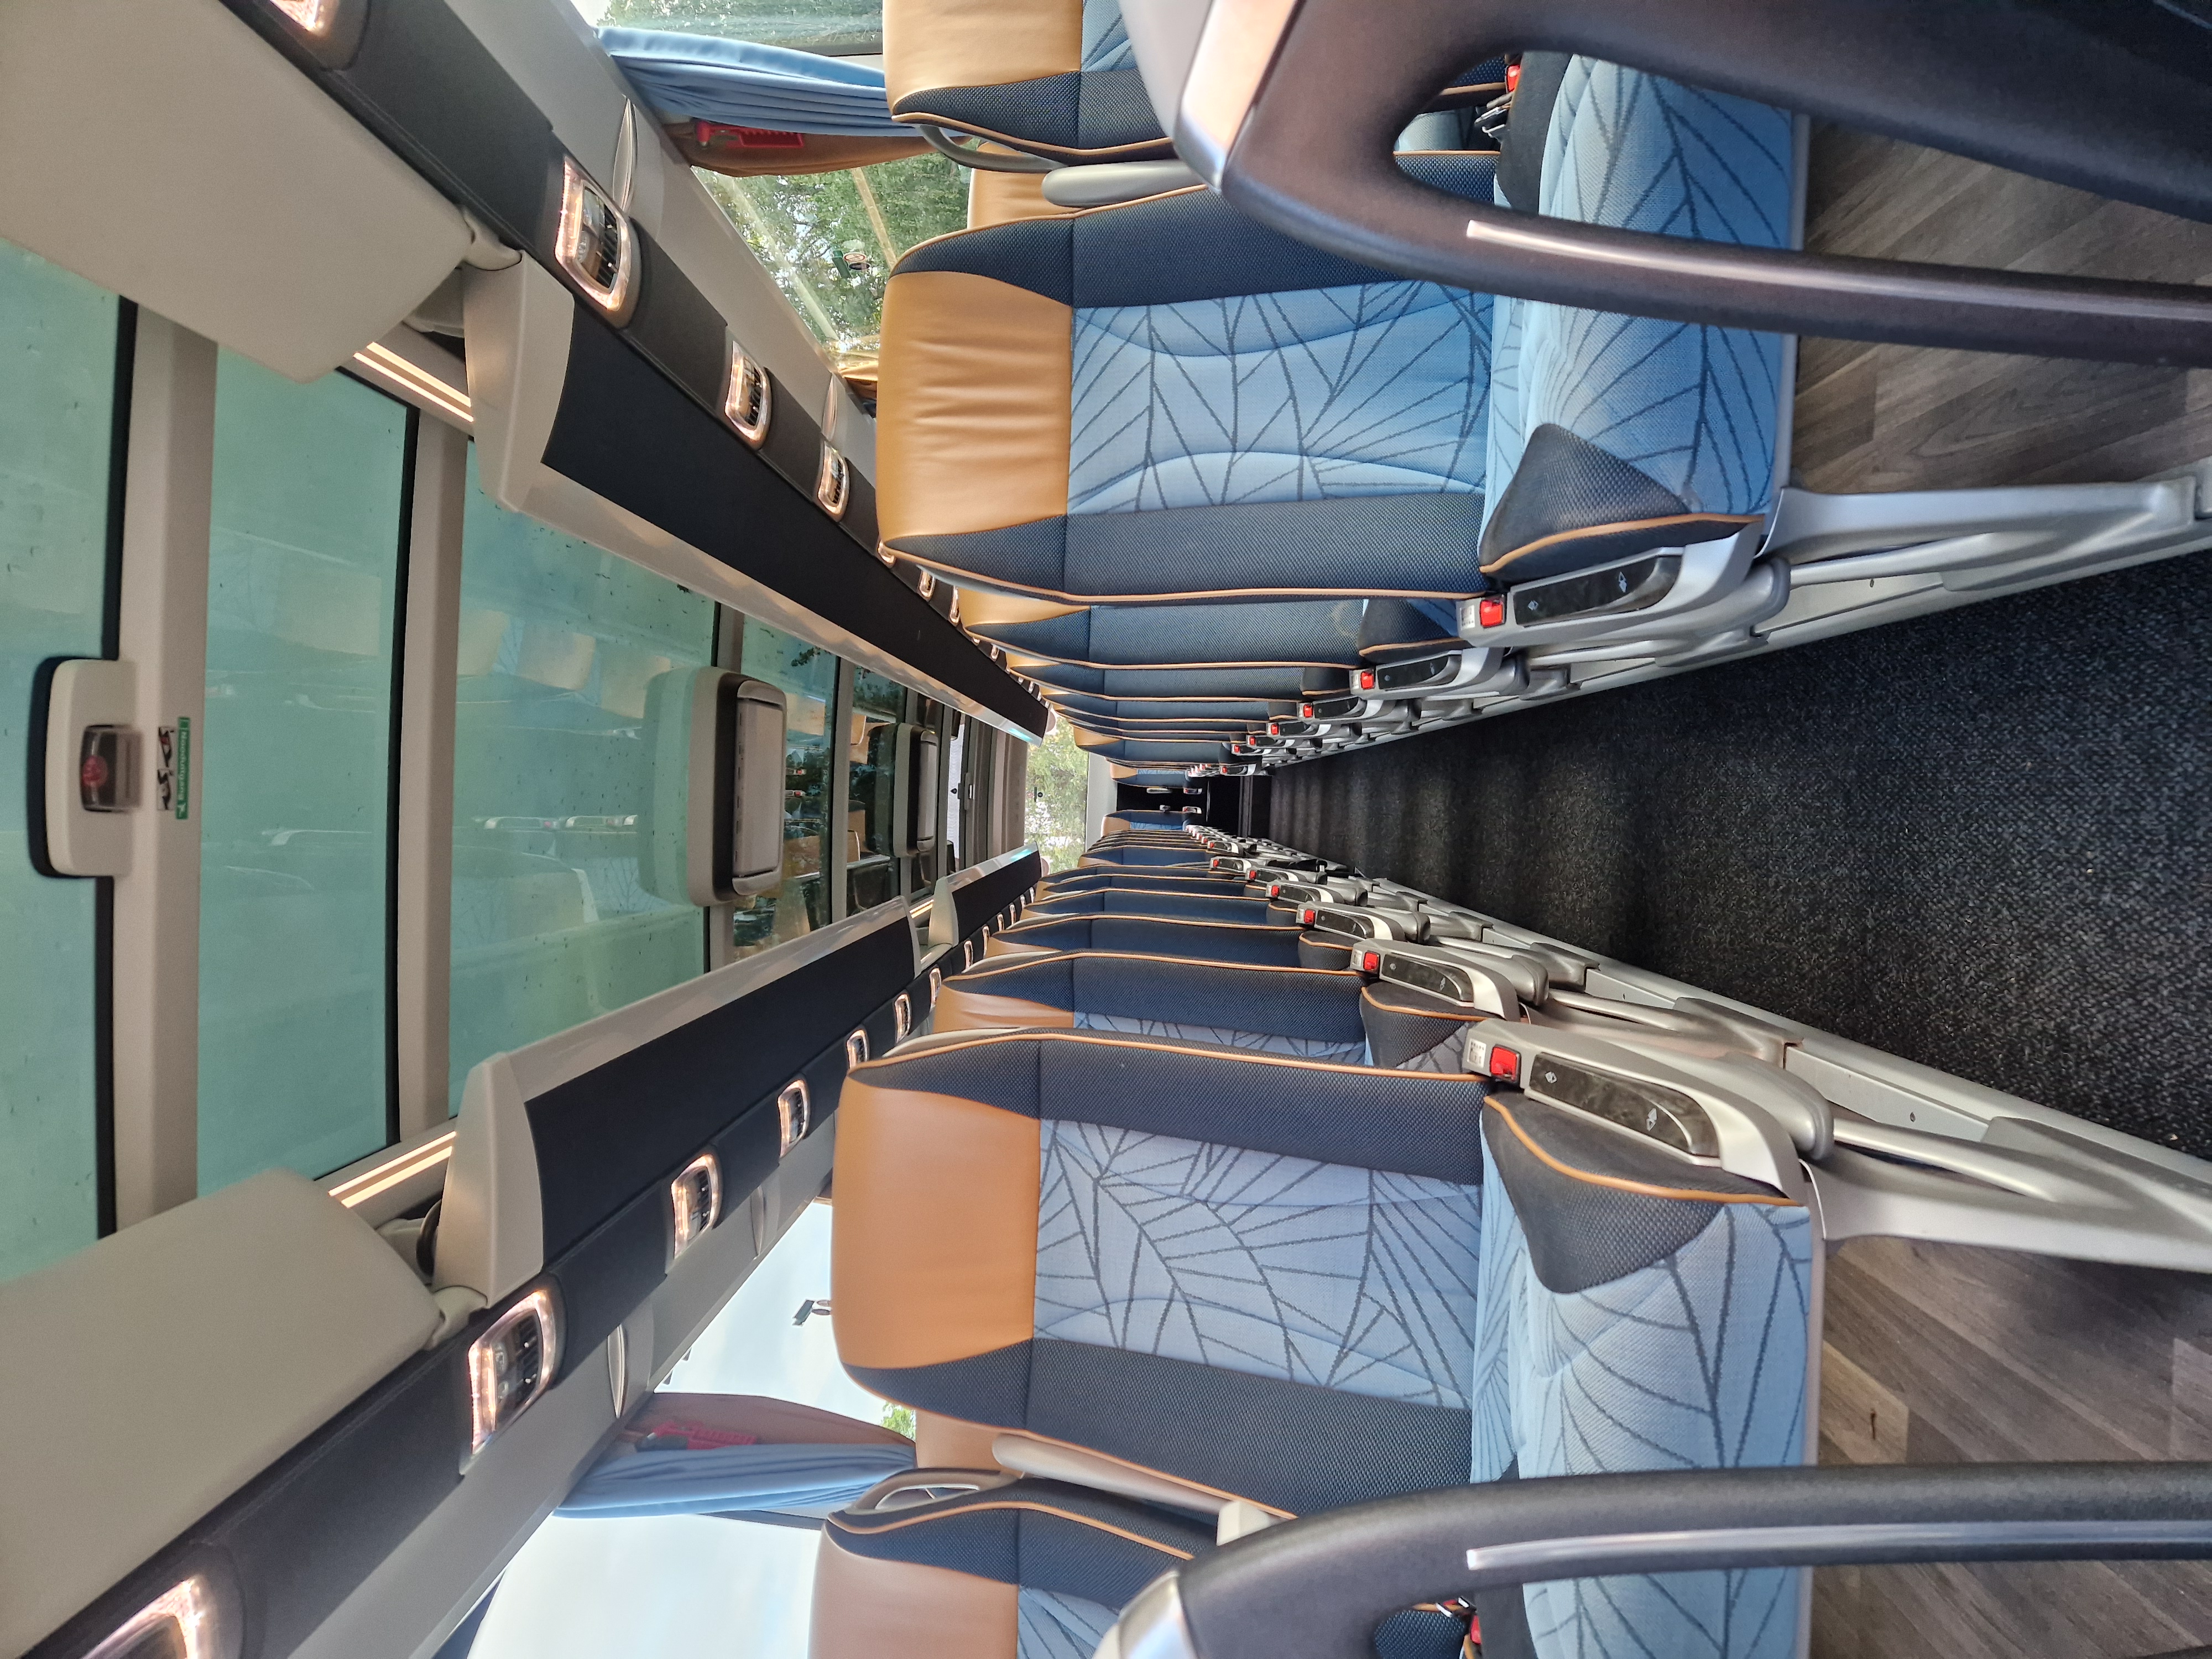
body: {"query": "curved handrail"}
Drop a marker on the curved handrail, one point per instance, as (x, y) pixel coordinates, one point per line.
(1939, 75)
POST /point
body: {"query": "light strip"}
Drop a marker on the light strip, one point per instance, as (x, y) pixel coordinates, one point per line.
(312, 15)
(188, 1609)
(386, 1176)
(380, 359)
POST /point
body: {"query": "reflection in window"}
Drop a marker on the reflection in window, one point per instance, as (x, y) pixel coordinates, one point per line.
(554, 736)
(57, 405)
(870, 757)
(292, 775)
(1059, 791)
(808, 676)
(831, 239)
(835, 29)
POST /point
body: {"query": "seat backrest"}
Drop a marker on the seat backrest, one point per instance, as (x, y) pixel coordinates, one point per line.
(1285, 1011)
(1132, 818)
(1638, 1311)
(1321, 432)
(1068, 883)
(1179, 906)
(1262, 943)
(1612, 436)
(1253, 1274)
(1193, 860)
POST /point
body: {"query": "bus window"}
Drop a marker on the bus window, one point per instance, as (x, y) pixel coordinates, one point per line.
(294, 772)
(553, 756)
(58, 336)
(808, 676)
(871, 862)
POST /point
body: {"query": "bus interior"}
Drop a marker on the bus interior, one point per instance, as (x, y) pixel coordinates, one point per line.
(1405, 795)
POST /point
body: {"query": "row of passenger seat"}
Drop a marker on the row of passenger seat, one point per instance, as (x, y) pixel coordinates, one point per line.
(1262, 1232)
(1245, 498)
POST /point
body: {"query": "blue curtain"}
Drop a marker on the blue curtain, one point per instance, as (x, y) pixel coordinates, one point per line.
(703, 77)
(810, 1479)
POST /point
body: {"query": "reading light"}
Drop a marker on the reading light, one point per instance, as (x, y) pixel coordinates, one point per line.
(832, 485)
(511, 1365)
(749, 398)
(901, 1016)
(183, 1622)
(856, 1050)
(696, 1199)
(594, 244)
(794, 1115)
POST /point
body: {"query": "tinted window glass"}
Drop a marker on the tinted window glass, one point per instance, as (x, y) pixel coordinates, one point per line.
(808, 675)
(871, 756)
(565, 652)
(1059, 787)
(831, 239)
(292, 777)
(57, 389)
(837, 27)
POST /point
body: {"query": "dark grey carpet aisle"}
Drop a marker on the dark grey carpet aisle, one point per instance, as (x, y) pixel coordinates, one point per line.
(1976, 840)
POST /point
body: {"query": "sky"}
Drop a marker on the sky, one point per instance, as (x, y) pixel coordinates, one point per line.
(688, 1586)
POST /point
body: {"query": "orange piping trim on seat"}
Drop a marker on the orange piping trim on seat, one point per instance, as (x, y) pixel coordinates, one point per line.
(1148, 956)
(1164, 148)
(1247, 1056)
(1019, 1503)
(1408, 645)
(1621, 1183)
(1423, 1013)
(1595, 530)
(977, 578)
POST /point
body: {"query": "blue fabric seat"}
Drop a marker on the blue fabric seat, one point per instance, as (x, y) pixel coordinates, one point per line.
(1311, 1283)
(1192, 878)
(1155, 751)
(1245, 418)
(1294, 635)
(1283, 1011)
(1173, 907)
(1612, 437)
(1266, 943)
(1131, 818)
